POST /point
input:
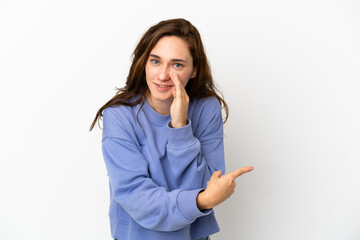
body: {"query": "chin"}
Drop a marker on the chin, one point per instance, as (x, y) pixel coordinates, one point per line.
(160, 96)
(163, 98)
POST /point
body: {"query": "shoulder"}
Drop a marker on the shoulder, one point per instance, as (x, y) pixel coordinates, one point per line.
(207, 107)
(119, 119)
(121, 111)
(208, 103)
(115, 114)
(206, 117)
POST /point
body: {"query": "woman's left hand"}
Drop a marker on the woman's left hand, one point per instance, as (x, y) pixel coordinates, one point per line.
(180, 104)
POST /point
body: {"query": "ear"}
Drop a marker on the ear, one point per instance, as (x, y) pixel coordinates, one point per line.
(193, 74)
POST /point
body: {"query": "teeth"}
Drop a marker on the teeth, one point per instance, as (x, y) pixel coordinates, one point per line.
(163, 86)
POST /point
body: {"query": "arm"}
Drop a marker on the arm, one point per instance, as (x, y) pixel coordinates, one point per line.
(193, 165)
(191, 159)
(195, 152)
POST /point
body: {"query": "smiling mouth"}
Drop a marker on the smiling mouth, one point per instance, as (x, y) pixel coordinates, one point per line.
(163, 86)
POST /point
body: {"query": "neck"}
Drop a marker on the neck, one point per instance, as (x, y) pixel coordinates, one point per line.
(162, 107)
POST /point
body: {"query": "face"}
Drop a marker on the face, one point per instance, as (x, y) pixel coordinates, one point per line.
(171, 53)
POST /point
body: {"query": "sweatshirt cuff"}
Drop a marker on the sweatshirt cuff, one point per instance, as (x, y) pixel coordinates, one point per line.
(180, 137)
(186, 202)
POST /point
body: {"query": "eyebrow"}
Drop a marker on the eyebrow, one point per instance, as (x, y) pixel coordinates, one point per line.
(174, 59)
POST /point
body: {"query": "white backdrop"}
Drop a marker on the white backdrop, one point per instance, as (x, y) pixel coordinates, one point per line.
(290, 71)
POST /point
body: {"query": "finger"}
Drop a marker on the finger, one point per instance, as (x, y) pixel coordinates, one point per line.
(176, 81)
(216, 175)
(240, 171)
(175, 78)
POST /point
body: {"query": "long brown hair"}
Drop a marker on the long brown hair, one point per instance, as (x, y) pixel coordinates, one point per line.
(200, 86)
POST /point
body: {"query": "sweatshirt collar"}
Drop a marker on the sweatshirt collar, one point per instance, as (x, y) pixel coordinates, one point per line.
(154, 115)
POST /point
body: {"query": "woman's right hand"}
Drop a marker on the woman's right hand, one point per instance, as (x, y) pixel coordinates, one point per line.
(219, 188)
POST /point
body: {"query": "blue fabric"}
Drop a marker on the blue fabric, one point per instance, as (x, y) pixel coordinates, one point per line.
(156, 172)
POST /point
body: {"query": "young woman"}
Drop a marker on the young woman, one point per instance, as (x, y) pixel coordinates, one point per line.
(163, 140)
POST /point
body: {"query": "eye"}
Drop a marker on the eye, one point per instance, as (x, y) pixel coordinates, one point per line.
(177, 65)
(154, 61)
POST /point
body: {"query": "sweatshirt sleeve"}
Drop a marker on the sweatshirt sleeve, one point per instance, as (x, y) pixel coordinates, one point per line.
(195, 152)
(150, 205)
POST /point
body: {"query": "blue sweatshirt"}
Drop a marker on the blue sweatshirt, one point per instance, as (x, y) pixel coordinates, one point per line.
(156, 171)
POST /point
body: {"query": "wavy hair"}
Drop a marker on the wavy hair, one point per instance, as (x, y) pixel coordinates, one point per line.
(201, 86)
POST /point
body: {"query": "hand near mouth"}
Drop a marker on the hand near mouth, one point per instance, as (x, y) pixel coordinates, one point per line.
(180, 104)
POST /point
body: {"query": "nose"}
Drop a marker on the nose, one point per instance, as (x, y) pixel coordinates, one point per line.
(164, 74)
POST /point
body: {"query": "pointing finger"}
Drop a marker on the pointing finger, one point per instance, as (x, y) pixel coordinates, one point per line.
(240, 171)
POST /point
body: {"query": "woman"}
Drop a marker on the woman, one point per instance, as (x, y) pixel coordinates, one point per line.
(163, 140)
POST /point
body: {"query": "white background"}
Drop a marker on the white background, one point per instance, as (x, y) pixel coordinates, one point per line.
(289, 70)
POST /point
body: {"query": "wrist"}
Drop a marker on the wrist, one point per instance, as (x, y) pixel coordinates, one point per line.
(175, 124)
(202, 201)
